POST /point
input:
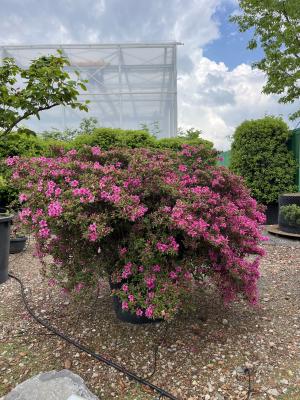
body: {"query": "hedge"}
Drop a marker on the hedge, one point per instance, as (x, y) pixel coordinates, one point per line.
(260, 155)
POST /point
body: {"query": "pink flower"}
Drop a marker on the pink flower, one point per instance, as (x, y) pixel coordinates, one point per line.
(43, 223)
(12, 160)
(124, 305)
(96, 151)
(131, 298)
(54, 209)
(125, 287)
(173, 275)
(149, 311)
(44, 233)
(122, 251)
(150, 282)
(182, 168)
(23, 197)
(79, 287)
(57, 192)
(156, 268)
(74, 183)
(139, 312)
(92, 232)
(187, 276)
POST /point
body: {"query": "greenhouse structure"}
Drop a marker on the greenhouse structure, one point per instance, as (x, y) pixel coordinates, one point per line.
(129, 85)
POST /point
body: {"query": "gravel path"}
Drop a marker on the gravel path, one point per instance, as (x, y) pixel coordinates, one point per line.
(211, 354)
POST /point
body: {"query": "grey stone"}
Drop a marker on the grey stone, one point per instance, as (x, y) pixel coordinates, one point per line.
(53, 385)
(273, 392)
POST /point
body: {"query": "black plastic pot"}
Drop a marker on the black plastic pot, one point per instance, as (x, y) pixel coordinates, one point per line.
(124, 315)
(5, 221)
(17, 245)
(271, 214)
(284, 200)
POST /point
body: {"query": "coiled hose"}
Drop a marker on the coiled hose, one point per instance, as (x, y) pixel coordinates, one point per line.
(99, 357)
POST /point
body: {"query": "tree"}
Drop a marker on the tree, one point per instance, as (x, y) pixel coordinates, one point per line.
(259, 154)
(25, 92)
(191, 133)
(276, 25)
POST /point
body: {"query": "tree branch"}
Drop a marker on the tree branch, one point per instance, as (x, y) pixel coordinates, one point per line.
(28, 114)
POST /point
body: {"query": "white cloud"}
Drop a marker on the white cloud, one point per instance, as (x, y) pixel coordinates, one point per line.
(216, 99)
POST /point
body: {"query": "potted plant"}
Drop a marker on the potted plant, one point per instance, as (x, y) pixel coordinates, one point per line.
(18, 237)
(5, 221)
(157, 223)
(289, 213)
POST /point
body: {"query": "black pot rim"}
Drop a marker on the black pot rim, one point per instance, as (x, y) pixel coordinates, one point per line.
(19, 239)
(5, 218)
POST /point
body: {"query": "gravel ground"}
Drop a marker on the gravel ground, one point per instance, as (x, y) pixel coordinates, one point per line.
(215, 353)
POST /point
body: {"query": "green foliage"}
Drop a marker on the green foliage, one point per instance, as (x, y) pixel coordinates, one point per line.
(260, 155)
(21, 144)
(25, 92)
(107, 138)
(191, 133)
(87, 126)
(291, 214)
(277, 30)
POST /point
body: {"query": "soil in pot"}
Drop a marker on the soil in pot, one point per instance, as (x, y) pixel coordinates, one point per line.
(17, 245)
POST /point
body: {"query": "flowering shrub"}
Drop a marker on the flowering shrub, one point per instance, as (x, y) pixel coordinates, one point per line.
(155, 221)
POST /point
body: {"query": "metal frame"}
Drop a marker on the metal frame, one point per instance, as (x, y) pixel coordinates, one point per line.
(117, 82)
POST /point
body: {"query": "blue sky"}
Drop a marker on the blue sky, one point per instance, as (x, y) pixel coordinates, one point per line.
(231, 46)
(217, 88)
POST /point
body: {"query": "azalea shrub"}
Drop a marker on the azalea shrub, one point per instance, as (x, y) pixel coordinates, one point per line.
(156, 222)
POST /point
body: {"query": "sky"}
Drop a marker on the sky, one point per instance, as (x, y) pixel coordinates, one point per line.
(217, 88)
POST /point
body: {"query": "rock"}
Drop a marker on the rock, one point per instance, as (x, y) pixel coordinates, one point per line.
(273, 392)
(240, 370)
(53, 385)
(225, 321)
(284, 381)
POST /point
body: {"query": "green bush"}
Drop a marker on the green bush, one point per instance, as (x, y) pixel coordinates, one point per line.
(107, 138)
(290, 214)
(20, 143)
(260, 155)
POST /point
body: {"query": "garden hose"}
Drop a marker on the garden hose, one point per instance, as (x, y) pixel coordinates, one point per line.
(98, 357)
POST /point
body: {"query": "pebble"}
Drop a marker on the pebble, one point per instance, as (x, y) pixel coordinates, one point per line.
(284, 381)
(225, 321)
(273, 392)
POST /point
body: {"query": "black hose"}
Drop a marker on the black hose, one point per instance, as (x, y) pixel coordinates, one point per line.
(98, 357)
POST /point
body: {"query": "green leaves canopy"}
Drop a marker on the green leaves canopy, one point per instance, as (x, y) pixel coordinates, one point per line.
(276, 25)
(43, 85)
(260, 155)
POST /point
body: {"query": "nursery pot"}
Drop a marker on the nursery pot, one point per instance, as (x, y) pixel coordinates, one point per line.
(124, 315)
(272, 213)
(5, 221)
(284, 200)
(17, 245)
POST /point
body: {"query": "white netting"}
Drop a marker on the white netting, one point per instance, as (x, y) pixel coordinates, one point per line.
(129, 84)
